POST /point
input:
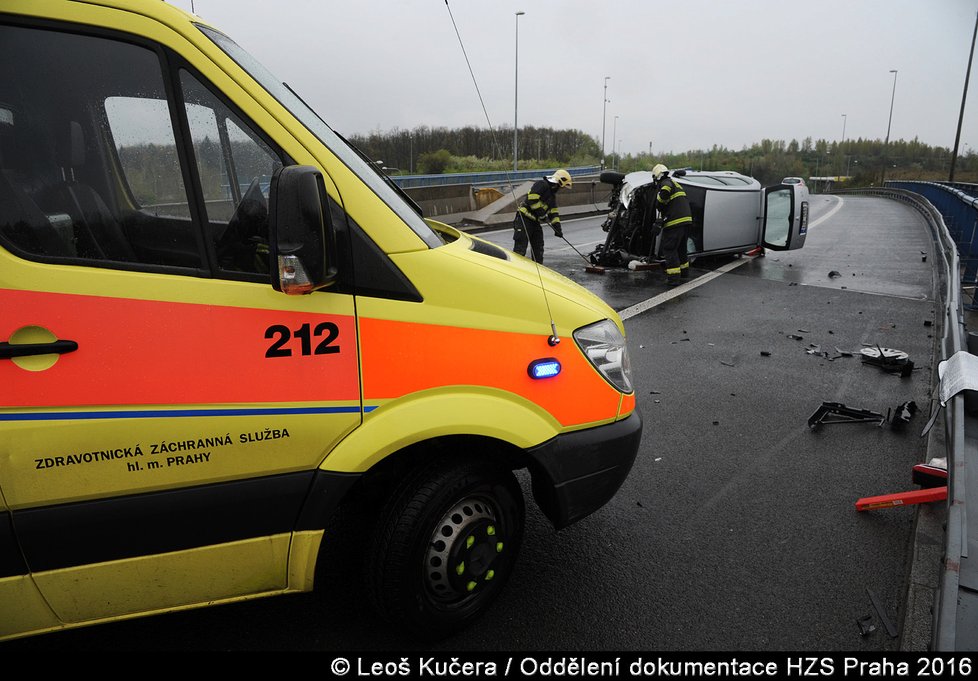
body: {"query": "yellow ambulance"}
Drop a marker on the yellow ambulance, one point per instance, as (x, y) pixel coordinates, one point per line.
(220, 327)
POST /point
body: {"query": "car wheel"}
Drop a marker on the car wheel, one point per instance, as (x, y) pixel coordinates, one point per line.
(445, 545)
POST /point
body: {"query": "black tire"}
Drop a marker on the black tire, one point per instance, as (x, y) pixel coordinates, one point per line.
(445, 545)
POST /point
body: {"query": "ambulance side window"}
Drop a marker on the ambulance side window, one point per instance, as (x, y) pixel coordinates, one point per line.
(159, 226)
(89, 169)
(235, 167)
(96, 168)
(147, 151)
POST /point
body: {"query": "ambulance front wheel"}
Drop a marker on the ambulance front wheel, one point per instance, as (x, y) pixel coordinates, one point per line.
(445, 544)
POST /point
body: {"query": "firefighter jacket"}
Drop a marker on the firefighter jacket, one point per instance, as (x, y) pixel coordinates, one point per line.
(673, 204)
(540, 203)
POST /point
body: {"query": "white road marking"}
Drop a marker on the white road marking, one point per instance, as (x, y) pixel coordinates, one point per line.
(838, 207)
(645, 305)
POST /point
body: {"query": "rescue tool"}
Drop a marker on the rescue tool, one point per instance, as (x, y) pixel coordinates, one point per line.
(920, 496)
(930, 476)
(594, 269)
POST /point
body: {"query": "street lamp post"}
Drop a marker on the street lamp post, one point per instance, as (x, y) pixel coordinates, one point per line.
(516, 88)
(964, 97)
(614, 133)
(604, 117)
(843, 134)
(887, 142)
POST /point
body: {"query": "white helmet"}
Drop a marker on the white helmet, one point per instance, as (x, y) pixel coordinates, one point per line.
(659, 171)
(561, 178)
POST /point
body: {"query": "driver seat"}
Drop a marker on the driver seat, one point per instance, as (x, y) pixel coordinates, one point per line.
(99, 234)
(22, 222)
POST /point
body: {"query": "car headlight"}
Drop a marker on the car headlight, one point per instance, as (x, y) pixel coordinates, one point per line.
(604, 346)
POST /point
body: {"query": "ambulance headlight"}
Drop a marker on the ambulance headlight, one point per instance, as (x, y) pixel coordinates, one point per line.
(604, 346)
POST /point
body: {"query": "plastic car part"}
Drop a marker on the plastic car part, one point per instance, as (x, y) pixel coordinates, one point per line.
(904, 412)
(887, 624)
(865, 624)
(889, 360)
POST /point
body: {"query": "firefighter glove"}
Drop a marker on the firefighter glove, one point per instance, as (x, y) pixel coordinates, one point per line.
(558, 231)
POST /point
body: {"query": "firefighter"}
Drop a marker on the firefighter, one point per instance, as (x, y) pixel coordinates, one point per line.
(537, 209)
(676, 217)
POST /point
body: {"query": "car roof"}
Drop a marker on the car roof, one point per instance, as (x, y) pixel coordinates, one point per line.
(714, 179)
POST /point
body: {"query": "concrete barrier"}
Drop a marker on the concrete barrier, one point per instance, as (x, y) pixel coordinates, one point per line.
(441, 200)
(466, 206)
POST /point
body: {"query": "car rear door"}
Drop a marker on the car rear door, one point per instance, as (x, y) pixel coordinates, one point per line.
(784, 216)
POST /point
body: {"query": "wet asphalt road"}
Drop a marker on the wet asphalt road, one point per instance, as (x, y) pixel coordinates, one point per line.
(736, 529)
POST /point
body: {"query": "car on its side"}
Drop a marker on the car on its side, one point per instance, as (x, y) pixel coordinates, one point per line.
(732, 213)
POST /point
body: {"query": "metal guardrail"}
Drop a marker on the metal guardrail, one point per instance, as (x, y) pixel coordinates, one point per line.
(959, 207)
(951, 623)
(967, 187)
(488, 178)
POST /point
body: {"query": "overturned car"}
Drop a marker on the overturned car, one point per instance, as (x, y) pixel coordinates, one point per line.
(732, 213)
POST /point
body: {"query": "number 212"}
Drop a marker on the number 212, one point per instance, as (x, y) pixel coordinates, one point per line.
(282, 334)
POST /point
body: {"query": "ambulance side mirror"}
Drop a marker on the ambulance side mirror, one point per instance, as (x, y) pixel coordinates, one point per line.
(302, 239)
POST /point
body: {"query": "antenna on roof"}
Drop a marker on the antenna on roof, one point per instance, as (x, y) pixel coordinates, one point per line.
(554, 339)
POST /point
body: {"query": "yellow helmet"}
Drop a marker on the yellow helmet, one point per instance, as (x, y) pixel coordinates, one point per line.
(659, 170)
(561, 178)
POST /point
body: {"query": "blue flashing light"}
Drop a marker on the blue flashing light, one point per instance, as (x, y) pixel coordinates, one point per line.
(544, 368)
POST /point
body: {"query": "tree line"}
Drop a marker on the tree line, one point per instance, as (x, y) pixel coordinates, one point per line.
(152, 170)
(427, 150)
(862, 162)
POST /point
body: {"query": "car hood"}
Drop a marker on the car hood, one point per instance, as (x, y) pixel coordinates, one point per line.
(633, 181)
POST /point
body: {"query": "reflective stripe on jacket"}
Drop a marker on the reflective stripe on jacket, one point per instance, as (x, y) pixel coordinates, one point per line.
(540, 203)
(672, 203)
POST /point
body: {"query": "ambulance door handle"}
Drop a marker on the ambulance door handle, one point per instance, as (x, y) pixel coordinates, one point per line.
(60, 347)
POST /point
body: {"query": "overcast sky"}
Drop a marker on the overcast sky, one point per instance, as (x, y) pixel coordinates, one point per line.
(684, 74)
